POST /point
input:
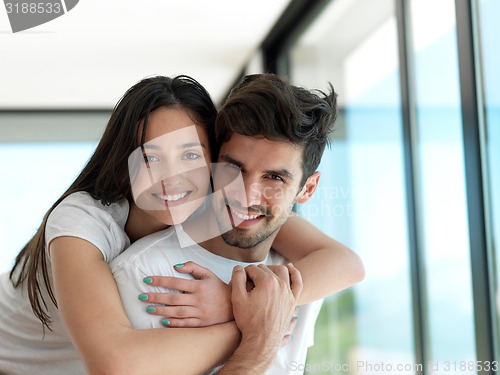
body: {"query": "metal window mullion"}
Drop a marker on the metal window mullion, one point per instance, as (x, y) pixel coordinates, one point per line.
(472, 124)
(409, 123)
(296, 18)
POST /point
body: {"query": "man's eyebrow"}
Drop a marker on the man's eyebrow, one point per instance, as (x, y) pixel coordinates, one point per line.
(285, 173)
(229, 159)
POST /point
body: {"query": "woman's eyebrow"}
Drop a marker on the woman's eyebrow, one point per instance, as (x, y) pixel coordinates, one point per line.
(191, 144)
(153, 146)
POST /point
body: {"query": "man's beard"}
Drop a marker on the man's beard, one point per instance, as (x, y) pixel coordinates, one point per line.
(240, 237)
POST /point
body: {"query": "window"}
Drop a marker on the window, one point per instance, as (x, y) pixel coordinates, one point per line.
(490, 29)
(37, 167)
(440, 182)
(361, 196)
(393, 184)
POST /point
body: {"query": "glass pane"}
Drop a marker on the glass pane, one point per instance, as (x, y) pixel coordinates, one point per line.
(361, 196)
(490, 29)
(33, 177)
(441, 184)
(41, 153)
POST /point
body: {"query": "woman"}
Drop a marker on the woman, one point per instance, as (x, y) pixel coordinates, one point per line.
(61, 293)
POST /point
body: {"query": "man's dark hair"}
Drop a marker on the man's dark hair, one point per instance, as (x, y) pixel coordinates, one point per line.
(265, 105)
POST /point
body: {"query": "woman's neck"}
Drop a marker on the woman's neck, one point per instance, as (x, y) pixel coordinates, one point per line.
(140, 224)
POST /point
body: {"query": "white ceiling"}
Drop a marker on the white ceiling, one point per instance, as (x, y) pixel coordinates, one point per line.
(88, 57)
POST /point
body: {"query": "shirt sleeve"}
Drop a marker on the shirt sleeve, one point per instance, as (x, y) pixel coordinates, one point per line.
(79, 215)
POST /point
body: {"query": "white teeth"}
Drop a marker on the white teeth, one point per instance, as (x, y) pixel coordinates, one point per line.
(172, 198)
(244, 217)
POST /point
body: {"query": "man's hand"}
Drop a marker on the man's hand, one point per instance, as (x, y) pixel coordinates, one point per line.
(263, 314)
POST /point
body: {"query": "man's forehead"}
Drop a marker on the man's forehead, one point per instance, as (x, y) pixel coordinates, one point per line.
(262, 152)
(241, 139)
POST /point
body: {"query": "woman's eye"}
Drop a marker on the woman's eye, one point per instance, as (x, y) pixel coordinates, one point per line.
(149, 158)
(191, 156)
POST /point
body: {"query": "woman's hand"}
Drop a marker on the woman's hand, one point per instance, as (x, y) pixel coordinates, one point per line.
(293, 322)
(201, 302)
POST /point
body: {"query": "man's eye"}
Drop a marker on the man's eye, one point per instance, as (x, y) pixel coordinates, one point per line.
(233, 166)
(276, 177)
(191, 156)
(150, 158)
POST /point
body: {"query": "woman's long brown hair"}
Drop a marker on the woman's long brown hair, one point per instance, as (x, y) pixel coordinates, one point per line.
(105, 176)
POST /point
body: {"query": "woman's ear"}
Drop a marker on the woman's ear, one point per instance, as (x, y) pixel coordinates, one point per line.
(309, 188)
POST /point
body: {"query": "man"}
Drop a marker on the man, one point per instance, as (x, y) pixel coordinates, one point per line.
(272, 136)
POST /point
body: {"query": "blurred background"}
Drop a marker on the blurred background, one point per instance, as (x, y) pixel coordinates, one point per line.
(411, 182)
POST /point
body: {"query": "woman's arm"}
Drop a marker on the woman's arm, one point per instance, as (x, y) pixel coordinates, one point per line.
(326, 265)
(90, 306)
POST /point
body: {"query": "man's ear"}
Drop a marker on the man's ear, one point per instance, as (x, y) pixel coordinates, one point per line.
(309, 188)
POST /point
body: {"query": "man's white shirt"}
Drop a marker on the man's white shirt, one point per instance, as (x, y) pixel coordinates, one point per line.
(157, 254)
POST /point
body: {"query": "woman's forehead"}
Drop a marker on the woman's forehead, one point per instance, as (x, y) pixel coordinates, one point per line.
(180, 138)
(164, 121)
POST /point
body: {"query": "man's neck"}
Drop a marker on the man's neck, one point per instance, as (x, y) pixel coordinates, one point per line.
(218, 246)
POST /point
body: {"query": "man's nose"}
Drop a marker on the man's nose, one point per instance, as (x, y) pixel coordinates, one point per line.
(253, 193)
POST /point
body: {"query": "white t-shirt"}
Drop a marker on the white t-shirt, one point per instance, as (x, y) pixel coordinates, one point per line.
(157, 254)
(24, 347)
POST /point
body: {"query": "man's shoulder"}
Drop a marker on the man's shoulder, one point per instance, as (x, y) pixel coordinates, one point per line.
(276, 258)
(148, 246)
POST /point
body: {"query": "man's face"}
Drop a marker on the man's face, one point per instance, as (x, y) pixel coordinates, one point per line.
(271, 172)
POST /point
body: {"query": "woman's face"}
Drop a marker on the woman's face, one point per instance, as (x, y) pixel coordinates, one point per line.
(170, 174)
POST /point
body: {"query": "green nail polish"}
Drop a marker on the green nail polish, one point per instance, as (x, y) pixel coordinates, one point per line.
(143, 297)
(150, 309)
(147, 280)
(179, 265)
(166, 322)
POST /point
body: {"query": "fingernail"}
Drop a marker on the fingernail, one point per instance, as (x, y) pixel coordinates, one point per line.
(179, 265)
(291, 338)
(150, 309)
(298, 308)
(296, 318)
(143, 297)
(147, 280)
(237, 268)
(165, 322)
